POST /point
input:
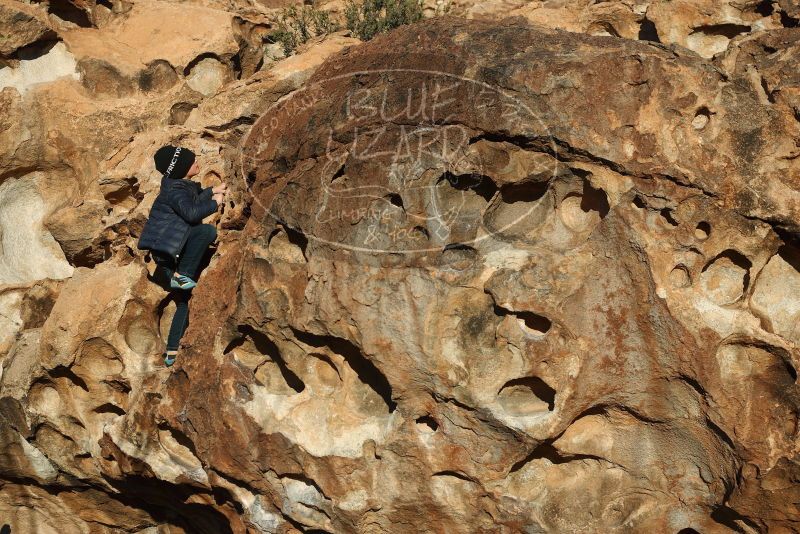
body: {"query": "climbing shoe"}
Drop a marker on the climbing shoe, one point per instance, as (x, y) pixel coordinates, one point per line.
(169, 359)
(181, 282)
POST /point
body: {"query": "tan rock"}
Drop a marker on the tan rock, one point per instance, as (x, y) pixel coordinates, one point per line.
(22, 25)
(150, 47)
(248, 99)
(155, 30)
(620, 19)
(707, 27)
(29, 252)
(76, 228)
(208, 75)
(773, 297)
(81, 511)
(472, 276)
(57, 63)
(537, 292)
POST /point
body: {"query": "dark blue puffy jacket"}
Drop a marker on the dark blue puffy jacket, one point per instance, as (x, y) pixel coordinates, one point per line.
(180, 204)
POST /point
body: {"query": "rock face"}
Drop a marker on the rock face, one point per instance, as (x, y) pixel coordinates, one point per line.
(29, 26)
(474, 276)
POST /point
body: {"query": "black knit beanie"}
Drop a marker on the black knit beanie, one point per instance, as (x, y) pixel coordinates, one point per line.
(173, 162)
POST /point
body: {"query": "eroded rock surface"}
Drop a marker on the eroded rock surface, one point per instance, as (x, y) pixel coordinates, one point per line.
(474, 275)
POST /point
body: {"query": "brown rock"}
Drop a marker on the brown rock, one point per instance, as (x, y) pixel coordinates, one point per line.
(246, 100)
(472, 276)
(22, 25)
(151, 45)
(620, 19)
(589, 325)
(705, 27)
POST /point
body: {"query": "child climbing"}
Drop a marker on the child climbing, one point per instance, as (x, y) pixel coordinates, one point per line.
(174, 233)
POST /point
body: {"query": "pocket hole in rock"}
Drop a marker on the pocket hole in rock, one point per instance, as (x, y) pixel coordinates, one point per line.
(158, 76)
(338, 174)
(525, 192)
(180, 437)
(453, 474)
(538, 323)
(703, 230)
(179, 113)
(129, 190)
(109, 408)
(396, 200)
(701, 118)
(725, 278)
(286, 246)
(519, 210)
(594, 199)
(648, 31)
(679, 277)
(764, 8)
(711, 39)
(44, 398)
(368, 373)
(427, 424)
(459, 256)
(324, 370)
(422, 231)
(482, 185)
(138, 328)
(790, 255)
(666, 215)
(527, 395)
(604, 28)
(68, 374)
(268, 349)
(118, 384)
(544, 450)
(582, 211)
(298, 238)
(69, 12)
(528, 321)
(35, 50)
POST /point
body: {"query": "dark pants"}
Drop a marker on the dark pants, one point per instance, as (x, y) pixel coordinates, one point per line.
(180, 321)
(200, 237)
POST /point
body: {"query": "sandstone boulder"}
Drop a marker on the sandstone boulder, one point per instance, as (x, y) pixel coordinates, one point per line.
(472, 276)
(152, 46)
(22, 25)
(706, 27)
(534, 310)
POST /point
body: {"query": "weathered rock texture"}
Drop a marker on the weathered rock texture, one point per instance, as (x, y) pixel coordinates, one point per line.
(473, 275)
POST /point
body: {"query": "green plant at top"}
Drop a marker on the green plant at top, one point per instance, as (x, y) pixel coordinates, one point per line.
(298, 25)
(372, 17)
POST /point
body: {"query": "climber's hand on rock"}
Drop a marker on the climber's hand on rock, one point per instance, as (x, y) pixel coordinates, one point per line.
(221, 188)
(220, 198)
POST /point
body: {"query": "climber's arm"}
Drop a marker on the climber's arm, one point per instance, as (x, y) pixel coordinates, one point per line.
(206, 193)
(193, 208)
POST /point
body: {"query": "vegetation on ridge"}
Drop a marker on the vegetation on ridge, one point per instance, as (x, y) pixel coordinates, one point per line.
(372, 17)
(364, 19)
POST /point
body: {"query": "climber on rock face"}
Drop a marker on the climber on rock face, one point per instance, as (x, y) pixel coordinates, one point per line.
(174, 233)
